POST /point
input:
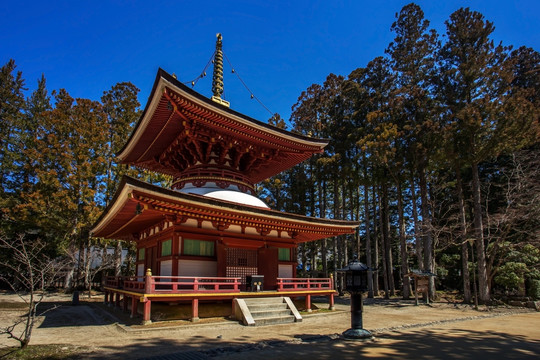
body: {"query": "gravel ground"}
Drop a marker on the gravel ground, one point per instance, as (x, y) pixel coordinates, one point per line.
(440, 330)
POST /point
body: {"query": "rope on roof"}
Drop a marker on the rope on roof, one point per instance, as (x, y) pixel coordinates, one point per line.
(217, 84)
(247, 88)
(203, 73)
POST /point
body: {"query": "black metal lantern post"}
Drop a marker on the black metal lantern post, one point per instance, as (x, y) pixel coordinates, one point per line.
(356, 282)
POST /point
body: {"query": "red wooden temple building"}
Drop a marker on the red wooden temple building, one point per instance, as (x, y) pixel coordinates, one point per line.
(202, 238)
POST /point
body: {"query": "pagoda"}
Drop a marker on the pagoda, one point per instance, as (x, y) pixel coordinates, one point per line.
(210, 223)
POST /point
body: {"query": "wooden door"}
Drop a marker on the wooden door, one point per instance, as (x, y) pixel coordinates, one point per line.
(268, 266)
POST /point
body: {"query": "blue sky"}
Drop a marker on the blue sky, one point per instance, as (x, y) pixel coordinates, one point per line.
(279, 48)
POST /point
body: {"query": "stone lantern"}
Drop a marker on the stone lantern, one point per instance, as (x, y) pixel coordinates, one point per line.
(356, 282)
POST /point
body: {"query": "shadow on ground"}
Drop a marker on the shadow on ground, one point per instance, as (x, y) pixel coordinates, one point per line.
(421, 344)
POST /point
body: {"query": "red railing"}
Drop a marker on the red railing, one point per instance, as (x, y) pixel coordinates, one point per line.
(295, 284)
(186, 284)
(174, 284)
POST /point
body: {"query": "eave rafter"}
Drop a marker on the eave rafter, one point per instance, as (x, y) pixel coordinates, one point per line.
(196, 143)
(189, 109)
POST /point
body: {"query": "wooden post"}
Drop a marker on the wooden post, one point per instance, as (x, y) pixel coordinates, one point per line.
(148, 282)
(146, 311)
(106, 297)
(117, 301)
(194, 310)
(308, 302)
(331, 301)
(134, 304)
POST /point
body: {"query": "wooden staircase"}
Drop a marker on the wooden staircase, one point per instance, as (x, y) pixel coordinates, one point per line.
(266, 311)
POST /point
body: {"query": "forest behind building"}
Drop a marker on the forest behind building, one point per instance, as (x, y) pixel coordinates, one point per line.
(433, 148)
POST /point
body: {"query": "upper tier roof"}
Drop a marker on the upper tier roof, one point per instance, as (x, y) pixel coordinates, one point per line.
(181, 128)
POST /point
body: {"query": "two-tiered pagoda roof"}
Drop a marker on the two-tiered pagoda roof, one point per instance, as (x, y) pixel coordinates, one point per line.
(211, 151)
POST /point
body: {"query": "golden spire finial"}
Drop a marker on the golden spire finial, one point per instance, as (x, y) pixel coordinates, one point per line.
(217, 79)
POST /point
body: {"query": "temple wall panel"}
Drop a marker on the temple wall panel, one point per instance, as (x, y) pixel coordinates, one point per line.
(191, 223)
(285, 270)
(251, 231)
(165, 268)
(235, 229)
(207, 225)
(197, 268)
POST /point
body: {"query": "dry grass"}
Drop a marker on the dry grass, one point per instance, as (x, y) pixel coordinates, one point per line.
(52, 352)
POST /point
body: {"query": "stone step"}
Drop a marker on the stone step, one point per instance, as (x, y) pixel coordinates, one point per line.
(274, 320)
(258, 307)
(270, 313)
(263, 301)
(266, 311)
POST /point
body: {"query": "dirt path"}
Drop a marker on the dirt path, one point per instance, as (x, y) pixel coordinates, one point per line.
(401, 329)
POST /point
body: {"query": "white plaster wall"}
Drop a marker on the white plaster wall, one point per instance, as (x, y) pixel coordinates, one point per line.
(285, 271)
(197, 268)
(165, 268)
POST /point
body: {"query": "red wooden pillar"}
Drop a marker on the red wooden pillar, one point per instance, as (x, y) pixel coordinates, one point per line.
(221, 255)
(117, 302)
(331, 302)
(146, 312)
(106, 297)
(134, 304)
(195, 310)
(176, 253)
(308, 302)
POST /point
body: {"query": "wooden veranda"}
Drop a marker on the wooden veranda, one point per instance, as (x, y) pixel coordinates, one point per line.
(123, 291)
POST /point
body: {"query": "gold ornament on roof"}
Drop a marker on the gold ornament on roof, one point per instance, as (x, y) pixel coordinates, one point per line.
(217, 79)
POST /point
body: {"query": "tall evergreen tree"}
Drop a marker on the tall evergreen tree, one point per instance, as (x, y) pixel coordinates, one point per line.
(412, 57)
(12, 106)
(483, 117)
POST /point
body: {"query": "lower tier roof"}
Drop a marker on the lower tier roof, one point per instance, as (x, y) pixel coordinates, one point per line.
(138, 205)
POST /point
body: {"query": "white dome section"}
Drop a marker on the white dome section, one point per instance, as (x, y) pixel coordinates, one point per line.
(232, 194)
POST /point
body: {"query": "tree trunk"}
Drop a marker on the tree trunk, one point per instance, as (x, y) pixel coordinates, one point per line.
(384, 259)
(406, 289)
(322, 212)
(464, 247)
(68, 279)
(118, 259)
(426, 230)
(368, 240)
(87, 265)
(386, 237)
(417, 237)
(483, 284)
(335, 241)
(375, 244)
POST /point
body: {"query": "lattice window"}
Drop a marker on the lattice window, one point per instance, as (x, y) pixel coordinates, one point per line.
(240, 263)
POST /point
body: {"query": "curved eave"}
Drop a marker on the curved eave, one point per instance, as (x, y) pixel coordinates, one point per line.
(120, 220)
(155, 130)
(165, 80)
